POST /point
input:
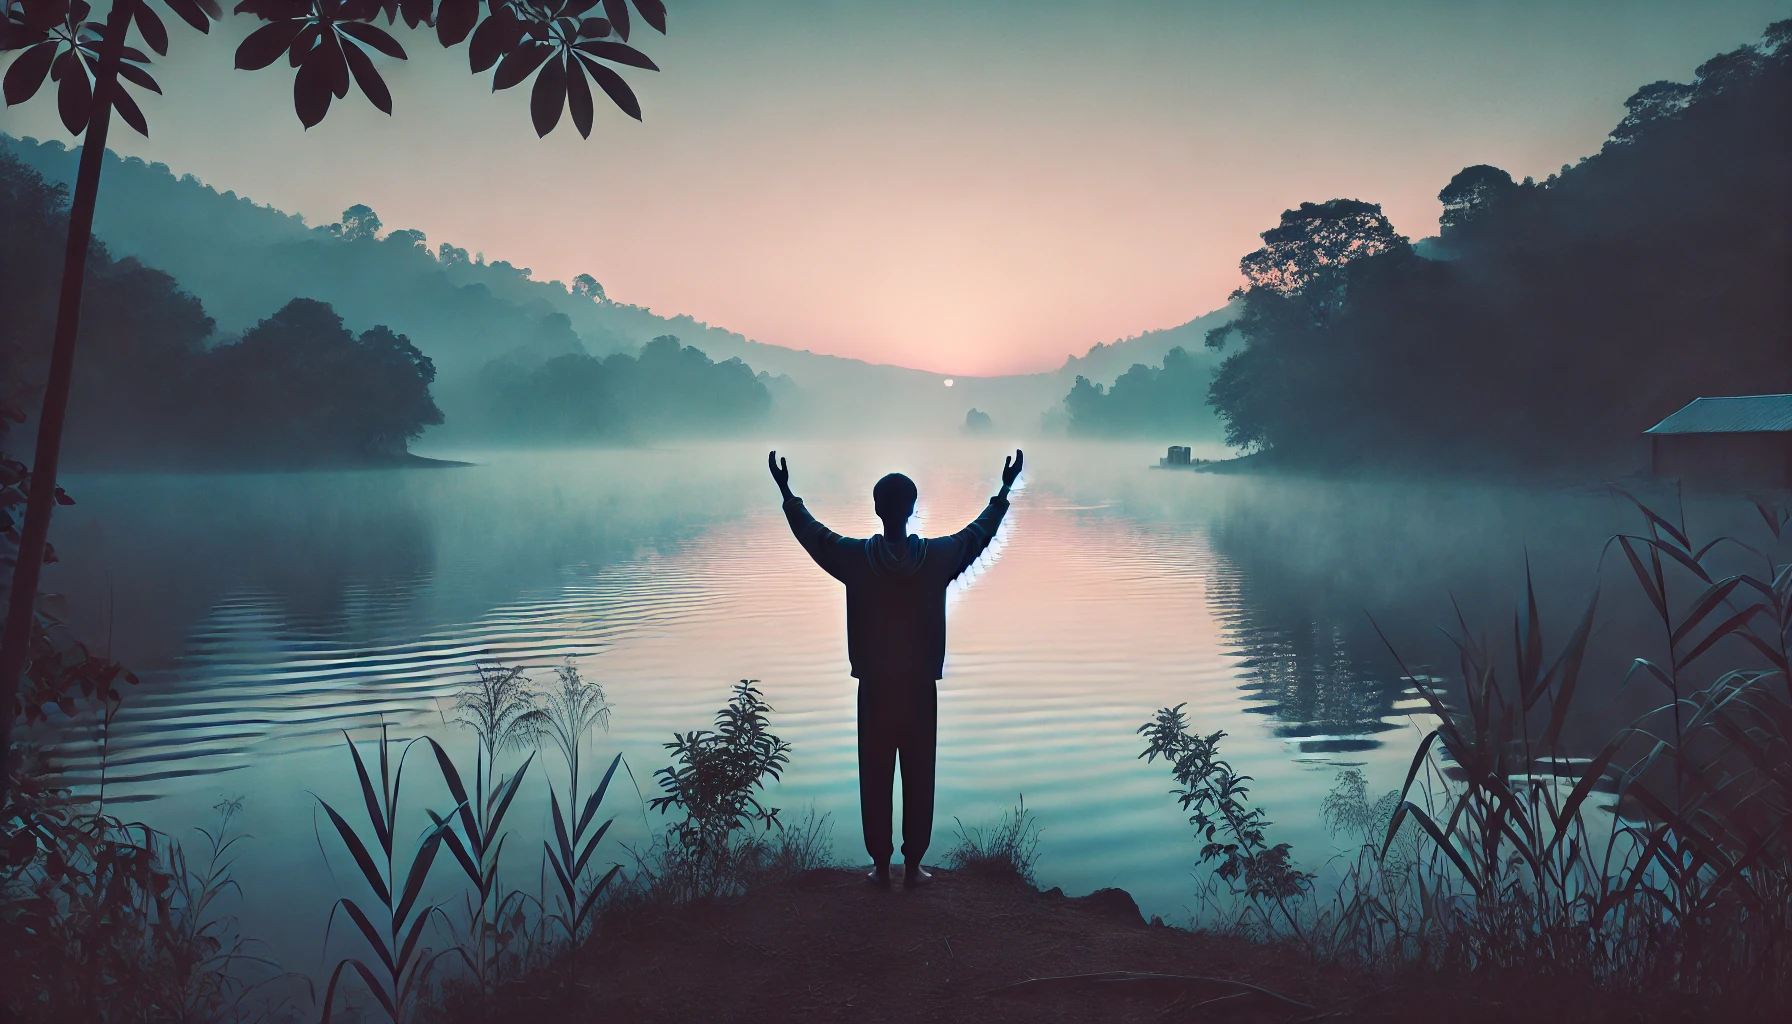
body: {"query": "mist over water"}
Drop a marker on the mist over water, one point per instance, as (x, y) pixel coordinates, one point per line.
(266, 613)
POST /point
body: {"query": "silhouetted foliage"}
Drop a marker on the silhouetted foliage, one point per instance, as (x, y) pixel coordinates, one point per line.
(668, 389)
(297, 388)
(1575, 313)
(1143, 400)
(300, 386)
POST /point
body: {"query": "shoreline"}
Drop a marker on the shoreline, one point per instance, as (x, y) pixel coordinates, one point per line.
(826, 946)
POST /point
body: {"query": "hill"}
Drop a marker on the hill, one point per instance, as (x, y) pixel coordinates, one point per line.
(242, 260)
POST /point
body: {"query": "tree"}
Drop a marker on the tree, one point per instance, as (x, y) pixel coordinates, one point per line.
(1471, 192)
(1318, 238)
(327, 41)
(358, 222)
(301, 385)
(587, 286)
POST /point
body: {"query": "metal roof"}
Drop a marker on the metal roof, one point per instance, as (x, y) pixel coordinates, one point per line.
(1740, 414)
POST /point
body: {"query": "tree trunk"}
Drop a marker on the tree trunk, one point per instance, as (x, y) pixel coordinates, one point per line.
(22, 603)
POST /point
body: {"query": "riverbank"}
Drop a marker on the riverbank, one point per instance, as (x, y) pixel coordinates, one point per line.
(825, 946)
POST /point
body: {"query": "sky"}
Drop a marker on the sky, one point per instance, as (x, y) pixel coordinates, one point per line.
(966, 188)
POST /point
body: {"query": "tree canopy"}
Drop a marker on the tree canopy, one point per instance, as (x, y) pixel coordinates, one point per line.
(154, 387)
(1145, 400)
(1574, 313)
(669, 389)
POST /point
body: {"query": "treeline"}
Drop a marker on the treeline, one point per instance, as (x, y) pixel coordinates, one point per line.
(1562, 318)
(1144, 400)
(153, 387)
(668, 389)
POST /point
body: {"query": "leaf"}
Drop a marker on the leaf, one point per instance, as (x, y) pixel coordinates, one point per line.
(410, 941)
(373, 983)
(1566, 672)
(495, 37)
(149, 24)
(621, 53)
(27, 73)
(193, 13)
(564, 854)
(1725, 628)
(507, 794)
(1707, 602)
(617, 12)
(335, 67)
(418, 872)
(519, 63)
(373, 36)
(578, 867)
(1642, 576)
(127, 108)
(138, 77)
(566, 885)
(1770, 515)
(265, 45)
(455, 847)
(370, 933)
(613, 86)
(597, 797)
(454, 19)
(74, 99)
(578, 102)
(359, 851)
(594, 28)
(654, 13)
(372, 85)
(368, 795)
(458, 789)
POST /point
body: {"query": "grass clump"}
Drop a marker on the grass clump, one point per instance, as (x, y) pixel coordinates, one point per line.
(1009, 848)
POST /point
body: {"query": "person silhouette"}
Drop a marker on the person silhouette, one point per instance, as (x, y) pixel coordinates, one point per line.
(896, 641)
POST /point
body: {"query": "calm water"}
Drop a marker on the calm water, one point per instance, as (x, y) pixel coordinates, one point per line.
(266, 614)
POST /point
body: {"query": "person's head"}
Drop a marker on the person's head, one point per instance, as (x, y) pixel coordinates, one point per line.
(894, 498)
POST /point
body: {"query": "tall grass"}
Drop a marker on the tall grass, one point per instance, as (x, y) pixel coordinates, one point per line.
(1500, 850)
(1008, 848)
(574, 710)
(399, 974)
(502, 709)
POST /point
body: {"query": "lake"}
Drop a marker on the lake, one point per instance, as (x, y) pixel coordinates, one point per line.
(268, 613)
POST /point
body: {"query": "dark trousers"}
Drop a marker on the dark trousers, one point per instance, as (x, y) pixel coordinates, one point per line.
(897, 718)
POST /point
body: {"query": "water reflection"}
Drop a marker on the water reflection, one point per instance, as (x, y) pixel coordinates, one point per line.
(267, 613)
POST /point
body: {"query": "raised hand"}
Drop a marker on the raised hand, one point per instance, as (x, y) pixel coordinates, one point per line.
(780, 473)
(1011, 469)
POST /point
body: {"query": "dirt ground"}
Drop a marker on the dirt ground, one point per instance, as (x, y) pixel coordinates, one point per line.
(826, 946)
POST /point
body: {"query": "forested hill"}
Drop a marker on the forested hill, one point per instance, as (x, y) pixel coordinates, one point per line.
(242, 260)
(1573, 313)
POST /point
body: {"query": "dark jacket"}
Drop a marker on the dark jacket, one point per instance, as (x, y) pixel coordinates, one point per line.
(895, 594)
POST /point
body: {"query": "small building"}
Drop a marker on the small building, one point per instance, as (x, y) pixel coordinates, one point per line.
(1179, 456)
(1742, 441)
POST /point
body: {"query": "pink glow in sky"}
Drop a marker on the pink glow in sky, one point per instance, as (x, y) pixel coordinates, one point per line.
(971, 189)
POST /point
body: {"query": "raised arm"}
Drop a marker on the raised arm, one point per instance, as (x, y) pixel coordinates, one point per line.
(830, 550)
(974, 538)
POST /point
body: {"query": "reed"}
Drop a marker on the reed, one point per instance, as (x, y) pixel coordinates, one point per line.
(500, 706)
(574, 710)
(399, 976)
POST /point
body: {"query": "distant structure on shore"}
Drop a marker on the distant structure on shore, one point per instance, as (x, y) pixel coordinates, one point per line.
(1738, 441)
(1179, 458)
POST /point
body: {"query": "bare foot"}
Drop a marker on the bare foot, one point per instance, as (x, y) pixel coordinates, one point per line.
(914, 876)
(879, 876)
